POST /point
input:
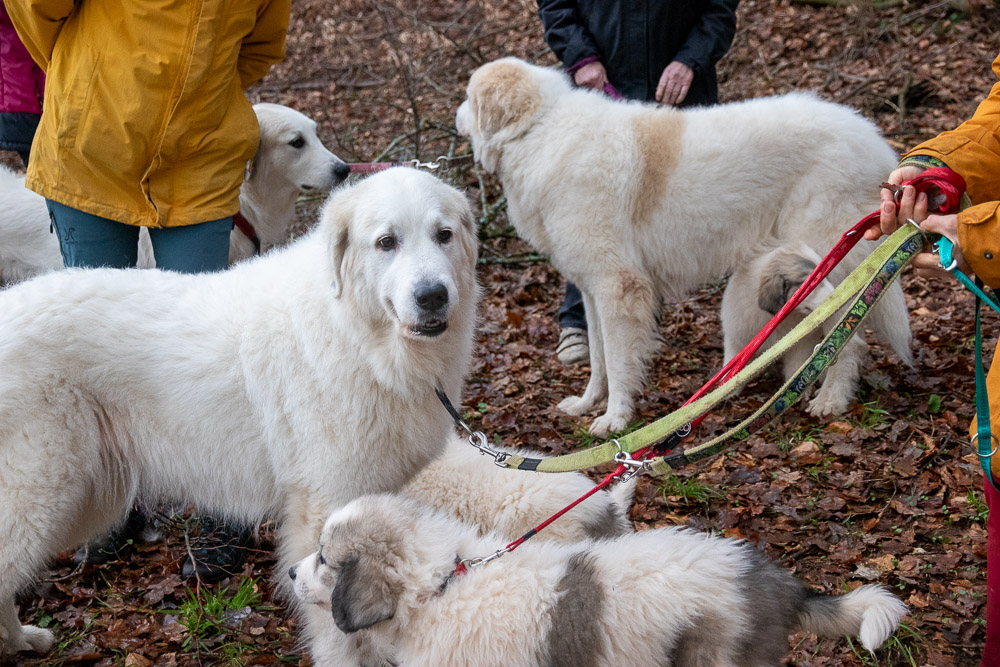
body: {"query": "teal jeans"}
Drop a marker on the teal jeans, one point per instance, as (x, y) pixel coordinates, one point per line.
(90, 241)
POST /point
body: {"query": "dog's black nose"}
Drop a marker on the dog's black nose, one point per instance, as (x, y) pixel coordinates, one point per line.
(341, 170)
(291, 573)
(431, 296)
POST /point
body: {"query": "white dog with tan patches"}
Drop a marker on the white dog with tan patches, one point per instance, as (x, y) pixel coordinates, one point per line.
(669, 596)
(290, 161)
(636, 203)
(284, 387)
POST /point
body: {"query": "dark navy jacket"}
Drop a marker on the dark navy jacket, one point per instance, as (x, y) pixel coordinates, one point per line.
(636, 39)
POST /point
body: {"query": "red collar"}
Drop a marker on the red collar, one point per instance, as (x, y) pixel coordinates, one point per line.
(244, 226)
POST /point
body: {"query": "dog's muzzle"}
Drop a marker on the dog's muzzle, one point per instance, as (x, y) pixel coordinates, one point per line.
(432, 303)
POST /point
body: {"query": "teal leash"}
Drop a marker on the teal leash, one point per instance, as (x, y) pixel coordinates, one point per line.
(986, 443)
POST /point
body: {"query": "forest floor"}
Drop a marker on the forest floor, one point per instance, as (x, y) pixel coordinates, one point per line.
(890, 492)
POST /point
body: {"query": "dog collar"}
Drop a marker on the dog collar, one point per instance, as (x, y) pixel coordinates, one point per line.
(244, 226)
(460, 569)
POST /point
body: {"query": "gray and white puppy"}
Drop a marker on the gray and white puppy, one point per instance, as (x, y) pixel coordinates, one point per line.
(666, 596)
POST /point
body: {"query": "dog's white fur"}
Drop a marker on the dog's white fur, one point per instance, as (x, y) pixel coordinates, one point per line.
(290, 161)
(283, 387)
(635, 203)
(465, 484)
(663, 596)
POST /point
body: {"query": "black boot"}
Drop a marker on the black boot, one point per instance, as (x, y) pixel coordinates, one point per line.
(219, 550)
(107, 547)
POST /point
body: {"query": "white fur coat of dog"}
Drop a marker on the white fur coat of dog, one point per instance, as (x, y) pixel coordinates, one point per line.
(284, 387)
(636, 203)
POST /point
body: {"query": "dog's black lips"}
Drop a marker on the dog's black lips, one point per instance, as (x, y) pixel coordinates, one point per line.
(430, 328)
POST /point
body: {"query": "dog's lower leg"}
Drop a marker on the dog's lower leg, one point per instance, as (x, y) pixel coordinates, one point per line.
(626, 308)
(597, 386)
(15, 638)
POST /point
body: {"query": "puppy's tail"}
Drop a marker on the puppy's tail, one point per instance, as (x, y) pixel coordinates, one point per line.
(622, 496)
(891, 321)
(871, 612)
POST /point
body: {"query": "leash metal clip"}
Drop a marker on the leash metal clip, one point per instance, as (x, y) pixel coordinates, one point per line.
(476, 562)
(478, 440)
(634, 465)
(426, 165)
(937, 251)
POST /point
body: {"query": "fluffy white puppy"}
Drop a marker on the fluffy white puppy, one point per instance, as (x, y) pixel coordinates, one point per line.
(667, 596)
(462, 483)
(636, 203)
(290, 161)
(284, 387)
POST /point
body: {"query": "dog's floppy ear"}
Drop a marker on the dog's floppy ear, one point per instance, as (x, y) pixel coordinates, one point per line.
(337, 214)
(503, 95)
(363, 595)
(337, 261)
(780, 278)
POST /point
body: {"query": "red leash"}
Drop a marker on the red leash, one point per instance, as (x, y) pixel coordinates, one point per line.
(373, 167)
(944, 189)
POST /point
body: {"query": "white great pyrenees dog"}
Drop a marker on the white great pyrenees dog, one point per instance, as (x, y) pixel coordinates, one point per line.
(284, 387)
(668, 596)
(290, 161)
(636, 203)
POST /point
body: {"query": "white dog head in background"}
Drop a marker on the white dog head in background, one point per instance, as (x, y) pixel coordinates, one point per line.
(408, 242)
(502, 99)
(291, 153)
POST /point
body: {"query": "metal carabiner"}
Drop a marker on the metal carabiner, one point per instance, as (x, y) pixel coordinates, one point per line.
(476, 562)
(478, 440)
(634, 465)
(425, 165)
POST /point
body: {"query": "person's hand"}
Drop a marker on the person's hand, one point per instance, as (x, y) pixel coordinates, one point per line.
(928, 264)
(911, 205)
(591, 75)
(674, 83)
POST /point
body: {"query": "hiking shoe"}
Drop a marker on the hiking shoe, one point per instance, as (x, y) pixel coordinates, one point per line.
(219, 551)
(573, 347)
(108, 547)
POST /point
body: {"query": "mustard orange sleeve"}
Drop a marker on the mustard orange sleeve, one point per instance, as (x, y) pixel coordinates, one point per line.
(979, 238)
(38, 23)
(265, 45)
(973, 148)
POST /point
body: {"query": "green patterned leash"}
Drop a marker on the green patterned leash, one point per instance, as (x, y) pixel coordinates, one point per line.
(824, 355)
(869, 280)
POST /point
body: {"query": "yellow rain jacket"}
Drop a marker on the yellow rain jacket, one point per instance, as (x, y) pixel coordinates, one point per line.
(973, 150)
(145, 121)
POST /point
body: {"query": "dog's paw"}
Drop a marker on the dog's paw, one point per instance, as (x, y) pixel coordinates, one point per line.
(25, 638)
(575, 405)
(37, 639)
(607, 424)
(827, 403)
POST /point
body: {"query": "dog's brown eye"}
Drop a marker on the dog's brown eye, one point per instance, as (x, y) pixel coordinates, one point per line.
(297, 142)
(443, 236)
(386, 242)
